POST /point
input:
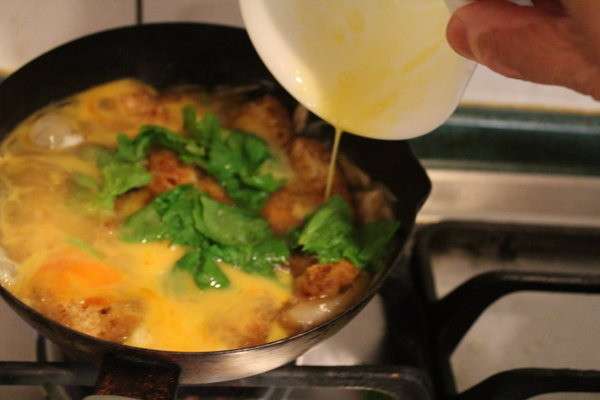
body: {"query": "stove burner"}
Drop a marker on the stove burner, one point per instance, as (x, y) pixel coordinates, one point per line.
(422, 330)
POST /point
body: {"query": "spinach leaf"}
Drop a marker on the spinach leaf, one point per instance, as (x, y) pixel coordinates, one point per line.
(374, 239)
(331, 236)
(119, 177)
(229, 225)
(167, 217)
(213, 231)
(259, 258)
(149, 136)
(234, 158)
(144, 226)
(329, 233)
(203, 267)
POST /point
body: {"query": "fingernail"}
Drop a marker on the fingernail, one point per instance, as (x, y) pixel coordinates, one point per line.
(458, 37)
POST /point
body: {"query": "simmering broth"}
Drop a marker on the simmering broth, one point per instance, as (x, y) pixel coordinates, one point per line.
(205, 230)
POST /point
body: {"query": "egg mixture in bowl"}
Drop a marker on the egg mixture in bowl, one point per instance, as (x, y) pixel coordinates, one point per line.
(183, 220)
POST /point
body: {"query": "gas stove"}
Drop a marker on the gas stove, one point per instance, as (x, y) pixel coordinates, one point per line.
(496, 298)
(412, 343)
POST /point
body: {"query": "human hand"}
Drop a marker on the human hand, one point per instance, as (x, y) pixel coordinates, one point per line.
(556, 42)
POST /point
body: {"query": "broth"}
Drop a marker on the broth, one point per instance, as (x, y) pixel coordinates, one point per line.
(68, 217)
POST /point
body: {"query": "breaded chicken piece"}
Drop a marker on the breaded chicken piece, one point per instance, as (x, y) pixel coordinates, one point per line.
(298, 263)
(142, 103)
(287, 208)
(127, 104)
(167, 172)
(325, 280)
(310, 158)
(266, 118)
(101, 317)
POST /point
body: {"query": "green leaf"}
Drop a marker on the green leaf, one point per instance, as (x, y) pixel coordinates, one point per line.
(229, 225)
(149, 136)
(374, 239)
(119, 177)
(143, 226)
(204, 268)
(168, 217)
(234, 158)
(204, 130)
(329, 234)
(258, 259)
(217, 231)
(176, 209)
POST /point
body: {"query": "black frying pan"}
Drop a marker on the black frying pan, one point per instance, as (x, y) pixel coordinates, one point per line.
(165, 55)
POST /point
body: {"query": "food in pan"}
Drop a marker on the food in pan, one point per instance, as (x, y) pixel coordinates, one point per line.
(187, 219)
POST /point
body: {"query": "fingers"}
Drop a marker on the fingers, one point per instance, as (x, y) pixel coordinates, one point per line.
(550, 6)
(524, 42)
(586, 13)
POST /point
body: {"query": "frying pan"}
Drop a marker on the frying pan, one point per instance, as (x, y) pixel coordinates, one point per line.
(164, 55)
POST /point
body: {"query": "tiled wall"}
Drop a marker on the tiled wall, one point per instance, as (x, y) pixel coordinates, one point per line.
(29, 27)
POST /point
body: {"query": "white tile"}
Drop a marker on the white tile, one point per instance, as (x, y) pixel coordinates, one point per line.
(490, 88)
(225, 12)
(30, 27)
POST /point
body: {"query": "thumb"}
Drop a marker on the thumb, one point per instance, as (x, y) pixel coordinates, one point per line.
(525, 43)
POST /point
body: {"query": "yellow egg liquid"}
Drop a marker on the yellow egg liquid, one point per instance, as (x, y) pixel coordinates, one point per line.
(332, 162)
(67, 257)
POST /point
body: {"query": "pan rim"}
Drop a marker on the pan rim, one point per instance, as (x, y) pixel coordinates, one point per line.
(374, 286)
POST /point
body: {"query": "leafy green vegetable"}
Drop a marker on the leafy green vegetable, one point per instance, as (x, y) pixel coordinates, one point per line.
(167, 217)
(204, 269)
(234, 158)
(124, 169)
(214, 232)
(374, 239)
(136, 149)
(330, 234)
(259, 258)
(119, 177)
(229, 225)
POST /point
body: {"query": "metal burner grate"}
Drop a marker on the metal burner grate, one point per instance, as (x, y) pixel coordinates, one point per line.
(449, 318)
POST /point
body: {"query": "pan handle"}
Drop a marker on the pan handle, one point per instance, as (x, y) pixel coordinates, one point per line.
(123, 378)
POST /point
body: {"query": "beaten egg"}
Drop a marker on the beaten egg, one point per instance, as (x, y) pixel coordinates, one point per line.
(74, 265)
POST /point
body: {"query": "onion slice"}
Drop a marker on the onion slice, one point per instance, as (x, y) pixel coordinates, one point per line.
(54, 131)
(306, 314)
